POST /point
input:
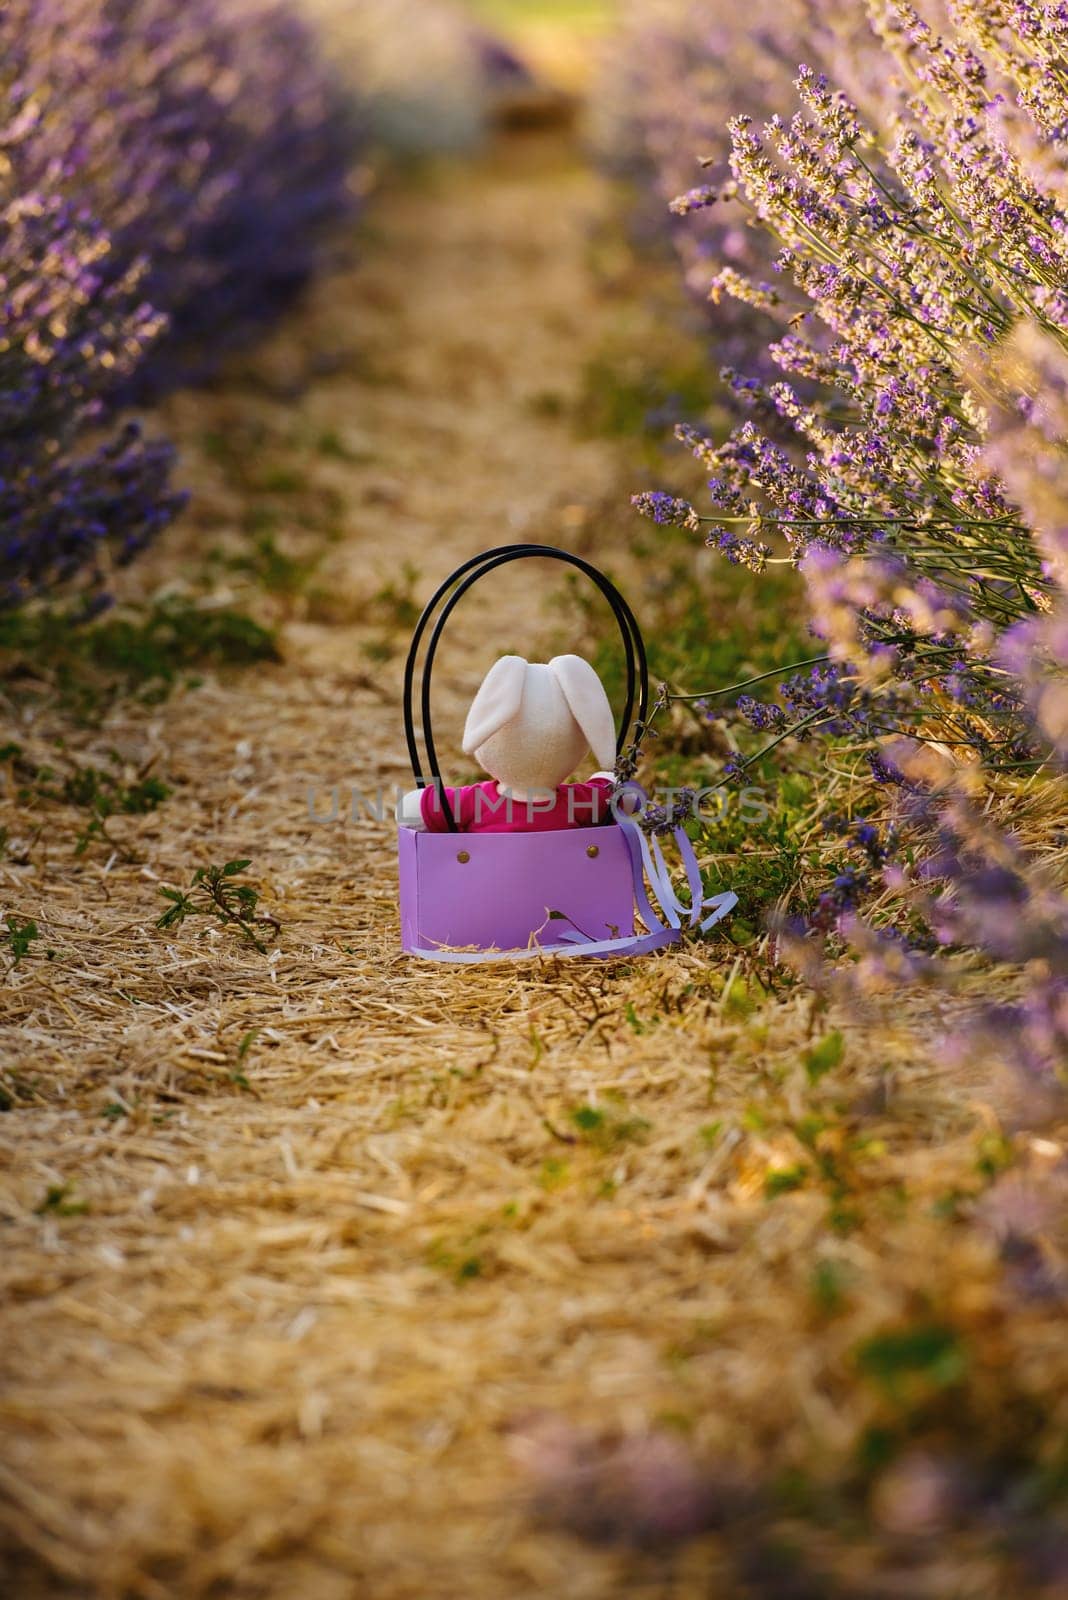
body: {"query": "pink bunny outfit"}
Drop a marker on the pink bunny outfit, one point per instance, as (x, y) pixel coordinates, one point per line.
(482, 808)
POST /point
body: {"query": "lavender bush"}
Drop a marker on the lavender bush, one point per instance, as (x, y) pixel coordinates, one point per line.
(169, 169)
(71, 485)
(907, 431)
(908, 261)
(975, 887)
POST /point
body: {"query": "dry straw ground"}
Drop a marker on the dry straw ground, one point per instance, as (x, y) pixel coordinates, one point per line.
(325, 1224)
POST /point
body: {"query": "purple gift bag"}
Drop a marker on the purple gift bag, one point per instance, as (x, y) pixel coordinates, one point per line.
(572, 891)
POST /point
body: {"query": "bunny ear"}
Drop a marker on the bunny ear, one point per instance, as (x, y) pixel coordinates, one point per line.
(496, 702)
(588, 704)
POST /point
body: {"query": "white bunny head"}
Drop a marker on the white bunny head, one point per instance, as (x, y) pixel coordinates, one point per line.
(531, 723)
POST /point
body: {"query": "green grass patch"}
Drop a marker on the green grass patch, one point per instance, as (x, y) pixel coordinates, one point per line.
(930, 1354)
(266, 563)
(627, 398)
(784, 1180)
(219, 893)
(99, 792)
(142, 652)
(824, 1056)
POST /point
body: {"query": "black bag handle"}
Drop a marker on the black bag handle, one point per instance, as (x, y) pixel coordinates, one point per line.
(459, 582)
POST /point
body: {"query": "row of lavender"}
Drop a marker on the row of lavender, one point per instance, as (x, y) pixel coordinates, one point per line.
(170, 173)
(882, 236)
(167, 171)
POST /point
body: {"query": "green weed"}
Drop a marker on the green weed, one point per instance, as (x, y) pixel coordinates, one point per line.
(554, 1174)
(460, 1265)
(827, 1286)
(273, 568)
(395, 603)
(784, 1180)
(214, 893)
(61, 1201)
(626, 397)
(19, 934)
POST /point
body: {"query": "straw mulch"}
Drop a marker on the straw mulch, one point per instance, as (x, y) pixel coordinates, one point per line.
(292, 1242)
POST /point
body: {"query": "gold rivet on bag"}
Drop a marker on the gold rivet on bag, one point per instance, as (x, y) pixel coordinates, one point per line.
(463, 855)
(593, 850)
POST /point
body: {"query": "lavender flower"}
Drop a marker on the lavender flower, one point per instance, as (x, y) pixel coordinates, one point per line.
(693, 200)
(915, 236)
(666, 510)
(657, 818)
(760, 714)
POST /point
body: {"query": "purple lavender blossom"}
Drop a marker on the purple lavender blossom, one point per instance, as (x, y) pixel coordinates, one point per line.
(665, 509)
(693, 200)
(222, 157)
(761, 714)
(885, 267)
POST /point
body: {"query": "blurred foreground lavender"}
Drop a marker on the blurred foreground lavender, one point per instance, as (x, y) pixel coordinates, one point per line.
(649, 1490)
(644, 1489)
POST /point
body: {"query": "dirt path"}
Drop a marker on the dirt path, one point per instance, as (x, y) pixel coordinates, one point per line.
(290, 1241)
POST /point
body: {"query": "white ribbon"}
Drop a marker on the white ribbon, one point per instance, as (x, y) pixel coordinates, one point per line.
(648, 859)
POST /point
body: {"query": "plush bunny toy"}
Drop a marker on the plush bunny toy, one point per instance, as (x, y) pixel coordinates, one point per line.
(529, 726)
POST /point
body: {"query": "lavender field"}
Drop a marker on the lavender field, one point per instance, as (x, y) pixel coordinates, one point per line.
(739, 1269)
